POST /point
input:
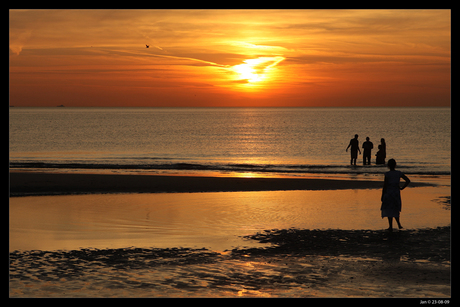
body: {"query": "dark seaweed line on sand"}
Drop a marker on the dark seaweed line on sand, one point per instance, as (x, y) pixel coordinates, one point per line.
(415, 244)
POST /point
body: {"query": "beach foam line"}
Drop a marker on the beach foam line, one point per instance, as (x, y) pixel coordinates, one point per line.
(150, 164)
(41, 183)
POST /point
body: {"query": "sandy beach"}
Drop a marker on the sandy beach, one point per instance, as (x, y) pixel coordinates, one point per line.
(42, 183)
(331, 255)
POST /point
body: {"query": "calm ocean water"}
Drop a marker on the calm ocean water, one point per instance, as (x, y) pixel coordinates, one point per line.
(294, 141)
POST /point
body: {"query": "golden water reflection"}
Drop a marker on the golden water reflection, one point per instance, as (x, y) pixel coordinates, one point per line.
(212, 220)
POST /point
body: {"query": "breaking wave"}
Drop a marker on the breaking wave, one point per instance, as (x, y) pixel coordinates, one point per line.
(165, 165)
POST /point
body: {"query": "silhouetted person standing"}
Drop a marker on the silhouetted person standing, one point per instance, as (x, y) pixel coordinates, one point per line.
(391, 196)
(384, 149)
(354, 144)
(367, 151)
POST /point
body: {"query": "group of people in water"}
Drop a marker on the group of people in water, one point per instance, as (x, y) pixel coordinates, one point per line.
(367, 149)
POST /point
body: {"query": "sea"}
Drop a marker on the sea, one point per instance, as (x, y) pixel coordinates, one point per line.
(292, 142)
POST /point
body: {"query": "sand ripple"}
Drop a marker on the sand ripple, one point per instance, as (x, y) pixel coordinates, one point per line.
(296, 263)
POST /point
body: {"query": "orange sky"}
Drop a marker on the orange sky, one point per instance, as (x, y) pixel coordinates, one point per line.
(230, 57)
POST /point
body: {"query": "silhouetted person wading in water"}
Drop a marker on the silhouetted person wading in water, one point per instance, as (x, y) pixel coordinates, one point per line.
(367, 146)
(354, 143)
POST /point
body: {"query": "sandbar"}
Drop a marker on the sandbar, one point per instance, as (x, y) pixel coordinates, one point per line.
(42, 183)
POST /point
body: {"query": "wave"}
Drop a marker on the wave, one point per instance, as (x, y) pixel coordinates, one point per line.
(420, 169)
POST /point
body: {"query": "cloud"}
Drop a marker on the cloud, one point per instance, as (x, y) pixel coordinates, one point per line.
(261, 48)
(15, 50)
(18, 40)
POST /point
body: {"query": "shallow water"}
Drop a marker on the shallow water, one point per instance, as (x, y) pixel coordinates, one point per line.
(216, 221)
(394, 265)
(273, 277)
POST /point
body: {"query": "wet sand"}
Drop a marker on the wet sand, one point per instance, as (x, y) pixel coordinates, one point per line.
(300, 262)
(297, 263)
(41, 183)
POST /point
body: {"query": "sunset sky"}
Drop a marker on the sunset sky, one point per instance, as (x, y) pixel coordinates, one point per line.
(230, 57)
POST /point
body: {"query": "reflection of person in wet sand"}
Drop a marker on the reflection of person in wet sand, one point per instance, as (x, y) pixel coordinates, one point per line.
(391, 196)
(354, 143)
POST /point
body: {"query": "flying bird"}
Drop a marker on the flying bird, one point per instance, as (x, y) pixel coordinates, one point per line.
(147, 46)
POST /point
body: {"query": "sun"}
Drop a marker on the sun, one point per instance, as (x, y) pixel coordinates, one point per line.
(256, 70)
(247, 71)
